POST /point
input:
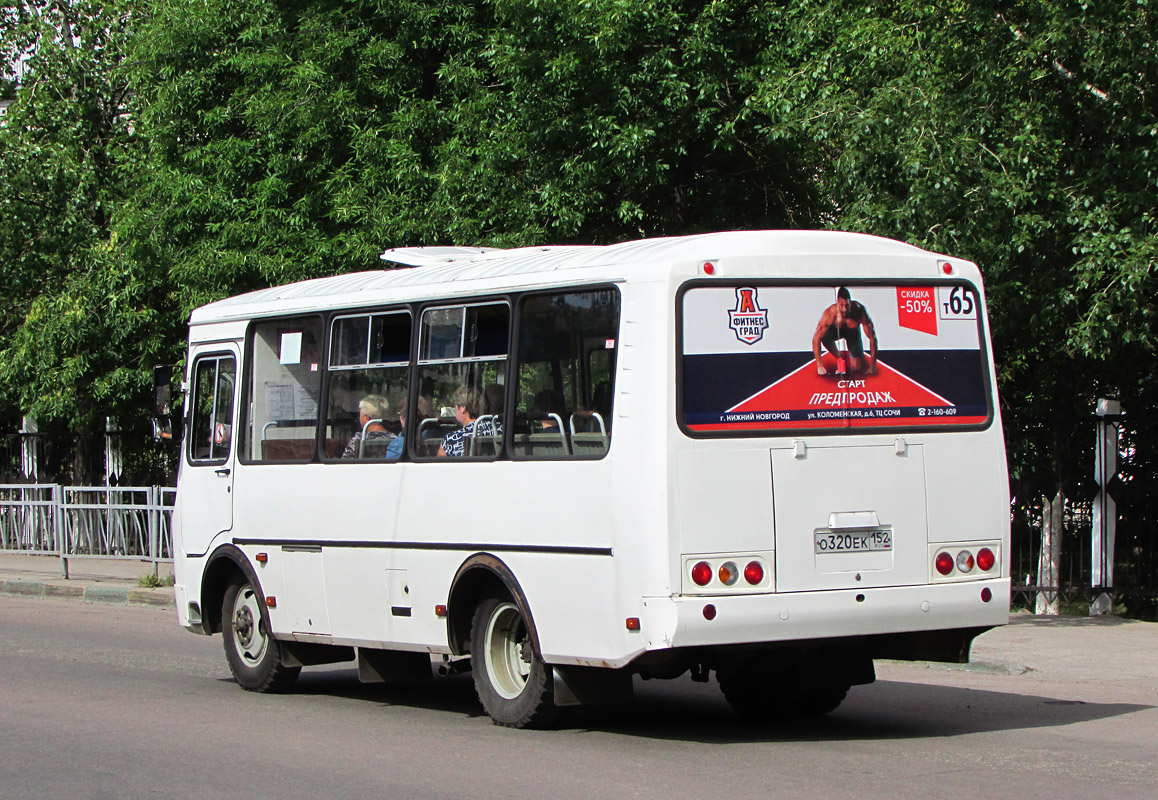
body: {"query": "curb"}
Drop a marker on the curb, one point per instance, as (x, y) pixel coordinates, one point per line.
(106, 595)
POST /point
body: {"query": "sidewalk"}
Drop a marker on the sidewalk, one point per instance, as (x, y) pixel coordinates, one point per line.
(90, 580)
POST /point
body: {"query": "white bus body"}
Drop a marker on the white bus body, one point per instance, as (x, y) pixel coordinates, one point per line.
(699, 496)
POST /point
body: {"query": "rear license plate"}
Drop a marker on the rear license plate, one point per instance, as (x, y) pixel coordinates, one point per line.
(854, 541)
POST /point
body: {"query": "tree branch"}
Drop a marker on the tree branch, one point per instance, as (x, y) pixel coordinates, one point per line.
(1058, 66)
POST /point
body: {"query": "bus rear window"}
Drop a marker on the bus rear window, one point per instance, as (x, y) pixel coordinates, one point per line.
(772, 358)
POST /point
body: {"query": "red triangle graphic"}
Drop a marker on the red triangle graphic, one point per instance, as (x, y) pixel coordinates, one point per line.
(804, 390)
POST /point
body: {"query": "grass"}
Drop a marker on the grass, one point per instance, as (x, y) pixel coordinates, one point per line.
(151, 581)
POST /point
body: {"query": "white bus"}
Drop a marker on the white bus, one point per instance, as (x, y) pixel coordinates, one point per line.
(775, 455)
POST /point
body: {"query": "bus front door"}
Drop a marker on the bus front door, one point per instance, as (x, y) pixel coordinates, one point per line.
(206, 482)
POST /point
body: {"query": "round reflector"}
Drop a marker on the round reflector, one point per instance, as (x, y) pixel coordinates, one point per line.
(965, 561)
(729, 573)
(986, 595)
(754, 572)
(943, 563)
(702, 573)
(709, 612)
(985, 559)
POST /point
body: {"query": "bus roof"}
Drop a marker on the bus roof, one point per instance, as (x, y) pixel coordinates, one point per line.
(455, 271)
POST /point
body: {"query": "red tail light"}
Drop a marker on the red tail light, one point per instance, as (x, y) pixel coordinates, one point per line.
(753, 573)
(702, 573)
(943, 563)
(985, 559)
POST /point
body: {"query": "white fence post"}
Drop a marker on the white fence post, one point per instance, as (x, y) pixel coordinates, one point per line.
(1052, 520)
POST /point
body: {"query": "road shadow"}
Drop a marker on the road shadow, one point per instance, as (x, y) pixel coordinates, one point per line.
(454, 694)
(684, 710)
(884, 710)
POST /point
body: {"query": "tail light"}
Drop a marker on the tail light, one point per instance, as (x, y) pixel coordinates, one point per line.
(754, 573)
(965, 561)
(702, 573)
(729, 573)
(943, 563)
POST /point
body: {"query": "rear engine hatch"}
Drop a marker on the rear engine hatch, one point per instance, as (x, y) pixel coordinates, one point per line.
(849, 517)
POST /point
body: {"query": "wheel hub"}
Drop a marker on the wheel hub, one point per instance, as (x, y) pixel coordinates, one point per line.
(243, 626)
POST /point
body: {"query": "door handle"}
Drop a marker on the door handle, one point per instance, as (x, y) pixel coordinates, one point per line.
(222, 472)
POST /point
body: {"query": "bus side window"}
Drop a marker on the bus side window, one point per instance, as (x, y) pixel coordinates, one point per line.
(566, 372)
(462, 356)
(368, 369)
(283, 390)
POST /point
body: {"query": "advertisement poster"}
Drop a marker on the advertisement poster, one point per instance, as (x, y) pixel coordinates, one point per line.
(767, 358)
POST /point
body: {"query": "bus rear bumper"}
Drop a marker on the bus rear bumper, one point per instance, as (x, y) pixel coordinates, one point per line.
(705, 621)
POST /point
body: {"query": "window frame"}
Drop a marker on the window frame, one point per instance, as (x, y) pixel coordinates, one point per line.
(329, 372)
(418, 363)
(516, 333)
(983, 355)
(194, 395)
(246, 410)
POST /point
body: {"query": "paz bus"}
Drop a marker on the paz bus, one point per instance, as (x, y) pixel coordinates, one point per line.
(772, 455)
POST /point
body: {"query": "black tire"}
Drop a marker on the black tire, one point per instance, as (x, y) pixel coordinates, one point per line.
(254, 656)
(771, 694)
(514, 686)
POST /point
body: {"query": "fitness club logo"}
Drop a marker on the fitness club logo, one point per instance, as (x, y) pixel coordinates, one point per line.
(747, 320)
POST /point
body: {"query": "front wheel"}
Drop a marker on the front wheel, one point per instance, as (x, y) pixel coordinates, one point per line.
(514, 686)
(254, 656)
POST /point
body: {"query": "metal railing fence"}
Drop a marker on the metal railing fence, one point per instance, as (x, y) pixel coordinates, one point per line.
(76, 522)
(30, 518)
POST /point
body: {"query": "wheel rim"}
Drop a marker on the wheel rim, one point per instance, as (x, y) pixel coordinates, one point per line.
(508, 651)
(248, 630)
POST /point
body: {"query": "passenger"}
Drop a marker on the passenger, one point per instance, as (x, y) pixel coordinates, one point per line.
(466, 411)
(397, 445)
(494, 397)
(600, 405)
(544, 404)
(371, 410)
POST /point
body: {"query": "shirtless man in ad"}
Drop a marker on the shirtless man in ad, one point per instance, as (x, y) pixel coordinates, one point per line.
(844, 319)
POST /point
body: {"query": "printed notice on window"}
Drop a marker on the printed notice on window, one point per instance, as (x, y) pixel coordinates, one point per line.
(291, 348)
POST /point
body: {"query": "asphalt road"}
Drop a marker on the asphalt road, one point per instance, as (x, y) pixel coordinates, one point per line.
(119, 702)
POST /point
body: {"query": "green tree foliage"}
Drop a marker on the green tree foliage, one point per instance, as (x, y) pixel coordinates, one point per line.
(284, 139)
(604, 121)
(75, 327)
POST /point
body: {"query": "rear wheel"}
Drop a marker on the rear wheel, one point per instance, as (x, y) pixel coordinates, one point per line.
(254, 656)
(764, 692)
(514, 686)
